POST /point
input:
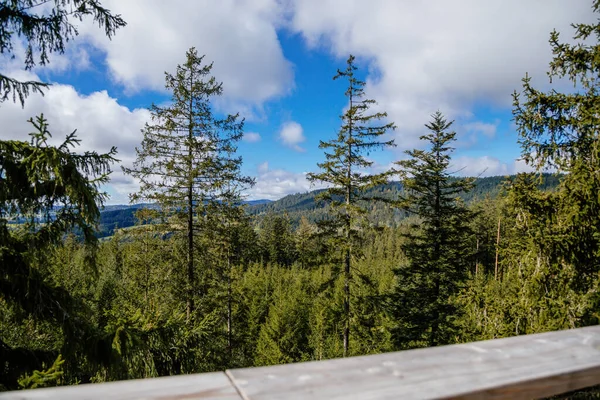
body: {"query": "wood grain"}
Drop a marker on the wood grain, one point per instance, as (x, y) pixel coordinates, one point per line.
(522, 367)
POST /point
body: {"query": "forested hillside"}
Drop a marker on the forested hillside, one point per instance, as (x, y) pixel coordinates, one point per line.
(114, 217)
(296, 206)
(200, 281)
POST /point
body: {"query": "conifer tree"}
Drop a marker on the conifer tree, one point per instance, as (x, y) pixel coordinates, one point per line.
(343, 171)
(187, 155)
(561, 130)
(306, 246)
(46, 192)
(278, 240)
(229, 237)
(438, 248)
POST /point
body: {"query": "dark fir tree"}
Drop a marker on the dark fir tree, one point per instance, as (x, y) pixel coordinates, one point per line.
(187, 156)
(44, 29)
(438, 249)
(343, 171)
(45, 193)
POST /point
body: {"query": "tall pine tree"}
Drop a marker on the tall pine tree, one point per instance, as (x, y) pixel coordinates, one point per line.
(343, 171)
(438, 249)
(187, 156)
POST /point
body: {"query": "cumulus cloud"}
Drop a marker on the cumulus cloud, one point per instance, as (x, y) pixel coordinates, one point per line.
(291, 135)
(479, 166)
(489, 166)
(239, 36)
(251, 137)
(101, 122)
(273, 184)
(451, 56)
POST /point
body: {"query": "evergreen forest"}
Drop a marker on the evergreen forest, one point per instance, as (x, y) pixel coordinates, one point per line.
(191, 278)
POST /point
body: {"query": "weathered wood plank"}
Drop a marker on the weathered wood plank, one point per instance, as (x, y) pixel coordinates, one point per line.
(522, 367)
(214, 385)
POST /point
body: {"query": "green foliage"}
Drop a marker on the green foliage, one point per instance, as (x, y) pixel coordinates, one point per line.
(44, 30)
(51, 191)
(297, 206)
(186, 163)
(438, 248)
(48, 377)
(284, 335)
(561, 130)
(277, 240)
(341, 170)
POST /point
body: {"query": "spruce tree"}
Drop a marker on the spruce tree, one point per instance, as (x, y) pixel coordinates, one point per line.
(46, 193)
(187, 156)
(438, 248)
(343, 173)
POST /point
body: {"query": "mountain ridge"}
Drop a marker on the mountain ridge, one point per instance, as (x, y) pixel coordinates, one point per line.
(297, 205)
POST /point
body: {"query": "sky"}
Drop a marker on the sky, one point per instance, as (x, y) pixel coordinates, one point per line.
(276, 59)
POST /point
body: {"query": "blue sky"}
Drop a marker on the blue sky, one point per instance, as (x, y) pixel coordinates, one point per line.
(276, 59)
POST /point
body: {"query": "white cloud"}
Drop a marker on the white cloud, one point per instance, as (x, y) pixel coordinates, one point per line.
(446, 55)
(291, 134)
(489, 166)
(239, 36)
(479, 166)
(101, 122)
(251, 137)
(277, 183)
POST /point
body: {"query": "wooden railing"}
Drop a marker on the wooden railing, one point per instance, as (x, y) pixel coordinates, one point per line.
(522, 367)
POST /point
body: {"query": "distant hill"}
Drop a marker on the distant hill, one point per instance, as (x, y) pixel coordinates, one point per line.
(258, 202)
(303, 204)
(123, 215)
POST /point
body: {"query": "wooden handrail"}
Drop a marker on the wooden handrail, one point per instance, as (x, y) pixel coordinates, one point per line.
(521, 367)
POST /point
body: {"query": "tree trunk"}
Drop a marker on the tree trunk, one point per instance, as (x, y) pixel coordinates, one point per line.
(190, 216)
(229, 322)
(497, 249)
(348, 237)
(477, 257)
(145, 241)
(433, 339)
